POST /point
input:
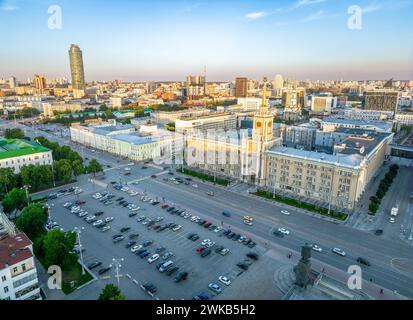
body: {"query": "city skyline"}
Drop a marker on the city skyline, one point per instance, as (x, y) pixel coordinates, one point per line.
(300, 39)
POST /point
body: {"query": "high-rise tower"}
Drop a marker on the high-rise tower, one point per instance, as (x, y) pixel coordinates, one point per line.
(77, 71)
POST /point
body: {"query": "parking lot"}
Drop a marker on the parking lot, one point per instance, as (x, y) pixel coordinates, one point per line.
(100, 247)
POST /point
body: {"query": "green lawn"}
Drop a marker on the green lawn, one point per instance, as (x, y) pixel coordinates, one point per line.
(74, 274)
(303, 205)
(203, 176)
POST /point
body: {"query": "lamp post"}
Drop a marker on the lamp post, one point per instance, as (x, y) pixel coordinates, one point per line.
(78, 232)
(26, 188)
(118, 265)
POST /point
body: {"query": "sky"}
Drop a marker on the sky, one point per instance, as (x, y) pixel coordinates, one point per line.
(168, 39)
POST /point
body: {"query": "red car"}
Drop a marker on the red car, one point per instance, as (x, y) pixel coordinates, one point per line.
(156, 226)
(164, 206)
(206, 225)
(80, 202)
(200, 249)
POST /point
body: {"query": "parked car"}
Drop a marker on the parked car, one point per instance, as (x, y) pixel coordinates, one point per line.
(339, 252)
(242, 266)
(253, 256)
(118, 239)
(215, 288)
(205, 253)
(103, 270)
(224, 280)
(181, 276)
(153, 258)
(130, 244)
(94, 265)
(150, 287)
(125, 229)
(104, 229)
(363, 261)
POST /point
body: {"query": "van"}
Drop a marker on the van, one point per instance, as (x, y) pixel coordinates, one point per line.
(226, 214)
(166, 265)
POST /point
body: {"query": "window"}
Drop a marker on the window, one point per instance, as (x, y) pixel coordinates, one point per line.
(24, 267)
(3, 278)
(15, 269)
(6, 289)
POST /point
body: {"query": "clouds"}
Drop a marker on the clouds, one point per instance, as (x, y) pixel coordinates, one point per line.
(7, 6)
(256, 15)
(304, 3)
(314, 17)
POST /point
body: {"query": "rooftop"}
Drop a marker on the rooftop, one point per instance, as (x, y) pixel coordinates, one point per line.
(14, 249)
(373, 123)
(13, 148)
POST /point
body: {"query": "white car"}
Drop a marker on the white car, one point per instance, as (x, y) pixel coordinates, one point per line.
(392, 220)
(240, 240)
(67, 204)
(134, 193)
(135, 209)
(206, 241)
(284, 231)
(82, 214)
(285, 212)
(187, 215)
(106, 228)
(97, 223)
(248, 222)
(210, 244)
(131, 164)
(224, 252)
(195, 186)
(127, 169)
(78, 191)
(136, 248)
(97, 196)
(217, 229)
(177, 228)
(109, 219)
(339, 252)
(224, 280)
(153, 258)
(316, 248)
(194, 218)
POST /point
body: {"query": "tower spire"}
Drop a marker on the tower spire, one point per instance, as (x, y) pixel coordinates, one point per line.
(264, 106)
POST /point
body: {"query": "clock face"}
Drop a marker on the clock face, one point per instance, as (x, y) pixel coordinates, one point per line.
(258, 124)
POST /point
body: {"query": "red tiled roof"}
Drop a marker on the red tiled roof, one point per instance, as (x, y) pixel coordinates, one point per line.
(14, 249)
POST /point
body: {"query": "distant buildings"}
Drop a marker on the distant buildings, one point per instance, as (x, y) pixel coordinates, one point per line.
(40, 84)
(12, 83)
(77, 71)
(323, 104)
(171, 116)
(381, 100)
(293, 100)
(195, 87)
(241, 87)
(18, 273)
(16, 153)
(215, 121)
(334, 123)
(116, 102)
(278, 85)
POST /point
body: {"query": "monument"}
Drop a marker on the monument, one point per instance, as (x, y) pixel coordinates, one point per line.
(303, 269)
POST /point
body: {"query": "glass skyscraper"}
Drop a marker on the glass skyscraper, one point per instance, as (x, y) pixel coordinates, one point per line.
(76, 68)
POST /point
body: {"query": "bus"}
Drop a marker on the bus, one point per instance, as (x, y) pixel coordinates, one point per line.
(41, 199)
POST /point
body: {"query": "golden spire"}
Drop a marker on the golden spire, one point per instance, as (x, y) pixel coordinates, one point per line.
(264, 107)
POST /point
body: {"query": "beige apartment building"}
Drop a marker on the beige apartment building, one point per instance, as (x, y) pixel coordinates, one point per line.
(339, 178)
(216, 121)
(50, 109)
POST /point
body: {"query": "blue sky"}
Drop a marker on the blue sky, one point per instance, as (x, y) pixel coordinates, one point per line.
(168, 39)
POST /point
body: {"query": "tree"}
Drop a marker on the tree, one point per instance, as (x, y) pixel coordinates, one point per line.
(32, 220)
(77, 166)
(58, 247)
(111, 292)
(63, 170)
(37, 177)
(15, 199)
(8, 180)
(94, 167)
(14, 133)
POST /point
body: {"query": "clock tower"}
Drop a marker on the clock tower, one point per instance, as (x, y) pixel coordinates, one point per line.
(263, 121)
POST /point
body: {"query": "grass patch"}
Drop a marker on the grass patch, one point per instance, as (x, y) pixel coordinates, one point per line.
(303, 205)
(204, 176)
(74, 274)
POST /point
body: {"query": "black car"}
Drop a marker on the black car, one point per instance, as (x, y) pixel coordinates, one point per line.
(170, 209)
(236, 237)
(242, 266)
(144, 254)
(117, 236)
(172, 271)
(150, 287)
(97, 214)
(363, 261)
(162, 228)
(94, 265)
(155, 203)
(190, 236)
(160, 263)
(172, 225)
(120, 199)
(104, 224)
(252, 256)
(147, 243)
(134, 236)
(132, 214)
(378, 232)
(122, 202)
(154, 176)
(278, 234)
(201, 222)
(144, 167)
(103, 270)
(125, 205)
(181, 276)
(195, 237)
(252, 244)
(205, 253)
(188, 179)
(118, 239)
(130, 244)
(171, 173)
(218, 249)
(140, 251)
(125, 229)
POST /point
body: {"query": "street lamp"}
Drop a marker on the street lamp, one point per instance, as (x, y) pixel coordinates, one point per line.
(118, 265)
(78, 232)
(26, 188)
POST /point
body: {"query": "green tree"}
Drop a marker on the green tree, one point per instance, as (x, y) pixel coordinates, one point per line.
(32, 220)
(77, 166)
(37, 177)
(111, 292)
(15, 199)
(14, 133)
(94, 167)
(8, 180)
(63, 170)
(58, 247)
